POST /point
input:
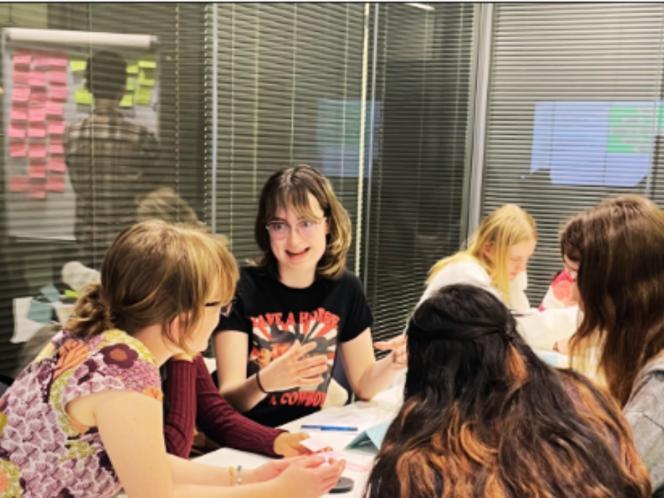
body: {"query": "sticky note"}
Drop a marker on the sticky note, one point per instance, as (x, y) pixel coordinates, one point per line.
(16, 131)
(57, 164)
(55, 127)
(41, 60)
(56, 148)
(37, 130)
(82, 96)
(21, 77)
(37, 78)
(55, 183)
(54, 109)
(20, 94)
(22, 58)
(19, 114)
(57, 76)
(131, 84)
(38, 96)
(19, 183)
(146, 77)
(17, 148)
(58, 60)
(58, 93)
(38, 191)
(132, 68)
(37, 114)
(127, 100)
(144, 95)
(77, 65)
(37, 151)
(36, 170)
(147, 63)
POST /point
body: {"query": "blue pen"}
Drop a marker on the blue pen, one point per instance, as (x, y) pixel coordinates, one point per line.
(343, 428)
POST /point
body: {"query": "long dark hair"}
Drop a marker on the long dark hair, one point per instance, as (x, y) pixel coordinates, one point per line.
(619, 245)
(483, 416)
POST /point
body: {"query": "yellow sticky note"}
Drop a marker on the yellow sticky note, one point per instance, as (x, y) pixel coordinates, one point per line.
(132, 67)
(144, 95)
(147, 64)
(82, 96)
(77, 65)
(131, 85)
(146, 77)
(127, 100)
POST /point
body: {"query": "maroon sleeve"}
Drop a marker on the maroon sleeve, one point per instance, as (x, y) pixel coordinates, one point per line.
(223, 423)
(180, 400)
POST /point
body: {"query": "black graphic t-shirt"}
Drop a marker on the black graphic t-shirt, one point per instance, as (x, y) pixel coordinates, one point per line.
(328, 312)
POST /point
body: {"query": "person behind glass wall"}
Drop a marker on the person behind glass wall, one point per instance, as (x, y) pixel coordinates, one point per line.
(499, 422)
(85, 417)
(619, 250)
(111, 161)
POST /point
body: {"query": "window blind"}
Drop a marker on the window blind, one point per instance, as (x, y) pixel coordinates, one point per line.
(574, 113)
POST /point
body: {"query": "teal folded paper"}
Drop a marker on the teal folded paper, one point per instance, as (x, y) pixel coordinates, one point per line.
(40, 311)
(371, 438)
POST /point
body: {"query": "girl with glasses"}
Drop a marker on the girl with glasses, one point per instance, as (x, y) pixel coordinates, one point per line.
(298, 310)
(85, 417)
(619, 247)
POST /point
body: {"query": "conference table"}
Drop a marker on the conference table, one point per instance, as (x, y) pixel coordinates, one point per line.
(361, 414)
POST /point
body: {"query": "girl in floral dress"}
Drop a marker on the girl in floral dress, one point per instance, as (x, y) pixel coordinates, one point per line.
(84, 419)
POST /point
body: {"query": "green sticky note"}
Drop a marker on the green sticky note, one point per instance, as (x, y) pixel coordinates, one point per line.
(127, 100)
(146, 77)
(144, 95)
(131, 85)
(71, 294)
(132, 68)
(77, 65)
(147, 64)
(82, 96)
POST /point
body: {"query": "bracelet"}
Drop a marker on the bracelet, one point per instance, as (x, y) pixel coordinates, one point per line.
(235, 475)
(258, 383)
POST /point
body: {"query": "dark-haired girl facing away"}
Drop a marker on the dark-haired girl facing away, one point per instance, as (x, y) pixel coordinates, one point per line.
(484, 417)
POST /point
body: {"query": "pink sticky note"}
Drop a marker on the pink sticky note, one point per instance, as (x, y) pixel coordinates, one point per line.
(41, 60)
(21, 77)
(37, 78)
(55, 183)
(37, 130)
(58, 92)
(20, 94)
(37, 115)
(37, 189)
(19, 113)
(37, 151)
(57, 164)
(56, 148)
(16, 131)
(17, 148)
(37, 170)
(38, 96)
(58, 60)
(55, 127)
(19, 183)
(22, 58)
(57, 76)
(54, 109)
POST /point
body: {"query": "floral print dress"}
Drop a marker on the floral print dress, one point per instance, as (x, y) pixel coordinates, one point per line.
(45, 453)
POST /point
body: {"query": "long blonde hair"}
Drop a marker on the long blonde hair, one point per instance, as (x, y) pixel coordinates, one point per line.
(502, 228)
(152, 273)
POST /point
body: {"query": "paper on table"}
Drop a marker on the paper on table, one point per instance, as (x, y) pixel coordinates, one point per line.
(339, 417)
(24, 328)
(58, 92)
(19, 183)
(315, 445)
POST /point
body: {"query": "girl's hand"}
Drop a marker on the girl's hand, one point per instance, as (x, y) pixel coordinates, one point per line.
(309, 477)
(397, 346)
(294, 369)
(287, 444)
(265, 472)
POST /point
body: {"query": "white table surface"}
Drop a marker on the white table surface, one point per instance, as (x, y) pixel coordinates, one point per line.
(365, 414)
